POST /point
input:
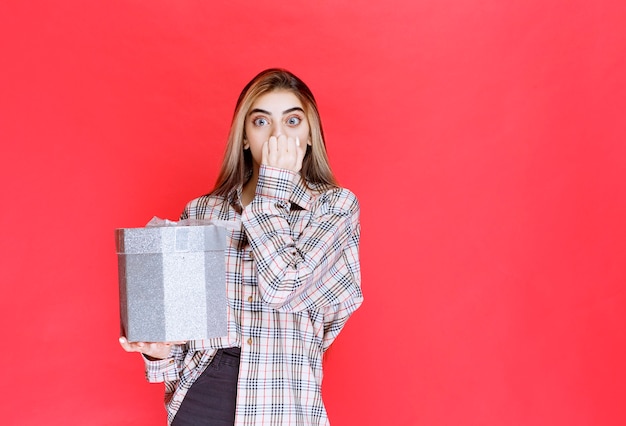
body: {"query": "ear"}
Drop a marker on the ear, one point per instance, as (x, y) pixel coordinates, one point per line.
(246, 144)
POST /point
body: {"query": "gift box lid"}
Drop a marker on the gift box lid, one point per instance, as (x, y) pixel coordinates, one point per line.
(170, 239)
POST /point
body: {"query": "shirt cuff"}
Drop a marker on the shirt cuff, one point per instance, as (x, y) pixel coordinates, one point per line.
(160, 370)
(276, 183)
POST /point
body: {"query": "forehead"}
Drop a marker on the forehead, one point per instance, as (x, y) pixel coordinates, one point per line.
(277, 101)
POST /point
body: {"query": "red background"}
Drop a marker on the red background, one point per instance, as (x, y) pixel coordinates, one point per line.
(485, 139)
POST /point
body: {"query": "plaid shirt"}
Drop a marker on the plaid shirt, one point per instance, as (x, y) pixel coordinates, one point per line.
(293, 279)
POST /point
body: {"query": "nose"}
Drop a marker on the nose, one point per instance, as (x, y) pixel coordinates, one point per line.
(277, 129)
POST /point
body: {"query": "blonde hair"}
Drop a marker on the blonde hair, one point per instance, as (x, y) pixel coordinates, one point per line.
(237, 164)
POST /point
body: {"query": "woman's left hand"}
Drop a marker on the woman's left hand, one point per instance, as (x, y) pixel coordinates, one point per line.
(284, 153)
(153, 350)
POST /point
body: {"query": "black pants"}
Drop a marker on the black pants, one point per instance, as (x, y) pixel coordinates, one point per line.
(212, 397)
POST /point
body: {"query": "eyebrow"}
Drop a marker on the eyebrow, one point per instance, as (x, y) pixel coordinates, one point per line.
(287, 111)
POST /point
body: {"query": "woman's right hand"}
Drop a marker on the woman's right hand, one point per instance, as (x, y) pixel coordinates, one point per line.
(284, 153)
(157, 350)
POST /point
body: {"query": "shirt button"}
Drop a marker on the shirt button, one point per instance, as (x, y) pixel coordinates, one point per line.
(250, 340)
(251, 255)
(250, 299)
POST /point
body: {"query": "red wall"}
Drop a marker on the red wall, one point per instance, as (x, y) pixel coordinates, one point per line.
(486, 141)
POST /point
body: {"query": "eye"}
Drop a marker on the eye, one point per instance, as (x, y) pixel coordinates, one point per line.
(294, 120)
(261, 121)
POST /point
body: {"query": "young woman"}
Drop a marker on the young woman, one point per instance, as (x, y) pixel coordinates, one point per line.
(292, 270)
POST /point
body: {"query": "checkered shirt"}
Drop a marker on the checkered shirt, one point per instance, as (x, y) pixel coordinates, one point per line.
(292, 280)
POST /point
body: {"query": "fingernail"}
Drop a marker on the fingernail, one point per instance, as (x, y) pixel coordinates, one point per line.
(297, 141)
(122, 340)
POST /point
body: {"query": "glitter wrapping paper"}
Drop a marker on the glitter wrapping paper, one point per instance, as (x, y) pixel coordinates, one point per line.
(172, 282)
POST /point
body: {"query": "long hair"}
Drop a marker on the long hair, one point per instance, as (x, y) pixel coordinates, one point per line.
(237, 164)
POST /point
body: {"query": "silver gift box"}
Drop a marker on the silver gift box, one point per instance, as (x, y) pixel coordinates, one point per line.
(172, 282)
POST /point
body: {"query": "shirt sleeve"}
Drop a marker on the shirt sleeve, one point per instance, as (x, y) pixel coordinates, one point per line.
(315, 269)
